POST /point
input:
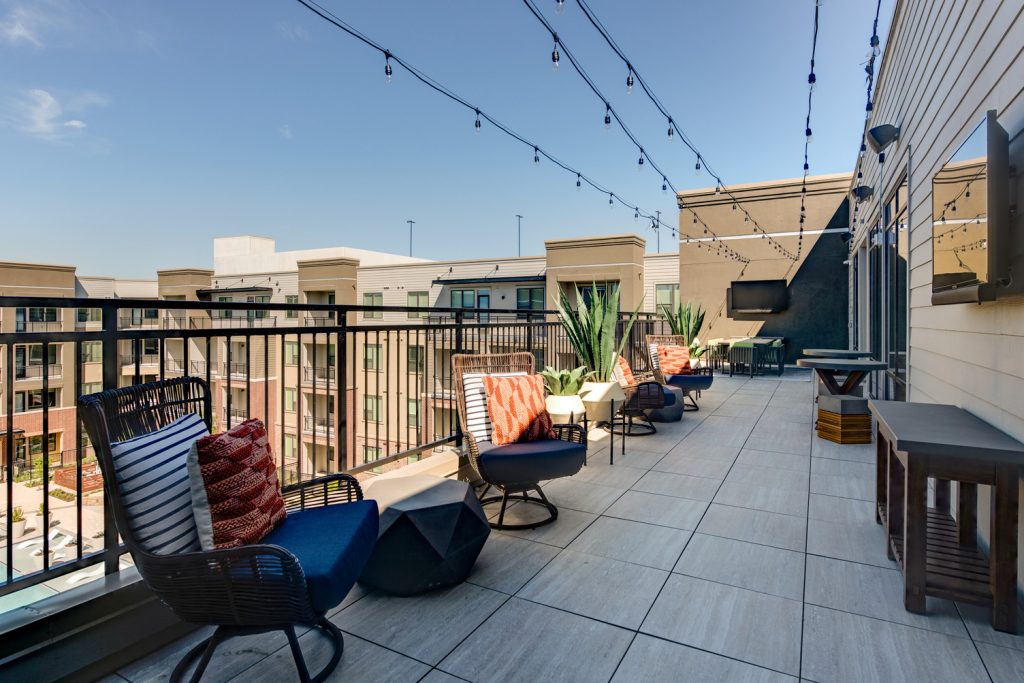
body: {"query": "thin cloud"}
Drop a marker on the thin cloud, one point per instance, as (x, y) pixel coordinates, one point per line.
(286, 132)
(22, 24)
(292, 32)
(39, 114)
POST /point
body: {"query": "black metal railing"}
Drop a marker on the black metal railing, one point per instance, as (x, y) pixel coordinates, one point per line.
(382, 396)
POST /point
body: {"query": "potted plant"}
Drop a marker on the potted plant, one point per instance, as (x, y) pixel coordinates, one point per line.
(44, 517)
(563, 401)
(686, 321)
(18, 521)
(591, 329)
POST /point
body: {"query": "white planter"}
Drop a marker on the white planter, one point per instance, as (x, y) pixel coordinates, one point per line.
(565, 409)
(597, 398)
(18, 528)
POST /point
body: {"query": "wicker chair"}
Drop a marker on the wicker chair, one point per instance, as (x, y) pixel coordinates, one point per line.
(517, 468)
(646, 393)
(692, 384)
(242, 591)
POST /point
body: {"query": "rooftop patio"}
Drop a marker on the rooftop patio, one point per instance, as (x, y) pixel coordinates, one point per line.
(734, 545)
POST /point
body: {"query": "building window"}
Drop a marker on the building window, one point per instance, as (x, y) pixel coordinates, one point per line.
(33, 447)
(371, 356)
(418, 300)
(331, 298)
(588, 291)
(291, 353)
(373, 299)
(28, 318)
(530, 298)
(371, 454)
(91, 388)
(463, 298)
(666, 297)
(896, 246)
(260, 314)
(31, 355)
(416, 358)
(291, 299)
(290, 446)
(25, 401)
(371, 408)
(90, 315)
(225, 313)
(92, 352)
(290, 396)
(150, 347)
(414, 412)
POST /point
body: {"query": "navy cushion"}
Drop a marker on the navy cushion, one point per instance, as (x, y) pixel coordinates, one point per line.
(332, 544)
(530, 462)
(690, 382)
(670, 396)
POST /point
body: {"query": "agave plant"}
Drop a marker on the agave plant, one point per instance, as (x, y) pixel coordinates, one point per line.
(591, 329)
(687, 321)
(564, 382)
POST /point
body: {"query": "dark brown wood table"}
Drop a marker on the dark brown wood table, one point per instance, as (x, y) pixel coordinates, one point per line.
(837, 353)
(854, 369)
(938, 554)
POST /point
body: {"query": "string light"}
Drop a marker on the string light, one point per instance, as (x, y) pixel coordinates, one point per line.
(664, 184)
(559, 6)
(536, 156)
(671, 132)
(696, 169)
(476, 125)
(554, 55)
(629, 82)
(640, 161)
(387, 67)
(579, 185)
(607, 116)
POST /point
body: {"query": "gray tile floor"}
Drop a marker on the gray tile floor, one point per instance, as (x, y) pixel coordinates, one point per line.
(734, 546)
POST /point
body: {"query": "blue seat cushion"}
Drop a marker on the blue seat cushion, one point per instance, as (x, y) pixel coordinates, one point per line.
(670, 396)
(531, 461)
(333, 544)
(690, 383)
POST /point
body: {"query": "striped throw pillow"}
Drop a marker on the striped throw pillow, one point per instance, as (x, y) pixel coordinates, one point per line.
(152, 478)
(478, 422)
(654, 357)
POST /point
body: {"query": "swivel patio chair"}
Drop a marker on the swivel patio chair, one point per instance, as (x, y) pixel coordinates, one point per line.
(643, 394)
(691, 384)
(297, 573)
(514, 469)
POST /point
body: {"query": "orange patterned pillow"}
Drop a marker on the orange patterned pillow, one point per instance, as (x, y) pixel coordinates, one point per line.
(517, 410)
(674, 360)
(626, 372)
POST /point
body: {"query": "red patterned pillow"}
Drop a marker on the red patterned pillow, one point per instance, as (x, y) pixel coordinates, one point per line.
(674, 360)
(626, 372)
(517, 410)
(235, 494)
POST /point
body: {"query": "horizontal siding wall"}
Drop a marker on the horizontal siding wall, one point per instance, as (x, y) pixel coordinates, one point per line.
(947, 63)
(659, 269)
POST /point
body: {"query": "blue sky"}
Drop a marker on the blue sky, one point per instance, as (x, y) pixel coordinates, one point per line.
(164, 124)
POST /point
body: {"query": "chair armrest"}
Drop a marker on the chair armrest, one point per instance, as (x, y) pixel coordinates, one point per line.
(328, 490)
(571, 433)
(230, 586)
(704, 370)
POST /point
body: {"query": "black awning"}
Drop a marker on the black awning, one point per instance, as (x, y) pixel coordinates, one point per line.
(489, 280)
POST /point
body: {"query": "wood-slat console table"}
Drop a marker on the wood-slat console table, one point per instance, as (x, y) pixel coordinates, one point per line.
(938, 554)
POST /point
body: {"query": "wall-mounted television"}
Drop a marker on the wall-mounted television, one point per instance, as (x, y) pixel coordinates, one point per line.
(757, 296)
(971, 226)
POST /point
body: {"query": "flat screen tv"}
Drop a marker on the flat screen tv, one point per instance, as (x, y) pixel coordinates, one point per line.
(758, 296)
(971, 218)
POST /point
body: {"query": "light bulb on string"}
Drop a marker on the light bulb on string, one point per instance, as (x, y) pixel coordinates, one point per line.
(809, 134)
(629, 82)
(387, 67)
(636, 213)
(875, 46)
(640, 161)
(559, 6)
(671, 132)
(536, 156)
(555, 55)
(718, 188)
(811, 80)
(476, 126)
(607, 116)
(609, 199)
(696, 169)
(579, 185)
(664, 184)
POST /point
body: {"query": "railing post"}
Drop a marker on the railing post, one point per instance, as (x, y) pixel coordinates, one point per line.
(111, 559)
(459, 321)
(341, 384)
(529, 333)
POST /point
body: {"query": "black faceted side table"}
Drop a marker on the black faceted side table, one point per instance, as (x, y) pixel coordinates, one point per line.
(431, 531)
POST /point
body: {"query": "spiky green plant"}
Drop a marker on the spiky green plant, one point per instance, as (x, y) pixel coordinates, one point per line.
(564, 382)
(687, 321)
(591, 329)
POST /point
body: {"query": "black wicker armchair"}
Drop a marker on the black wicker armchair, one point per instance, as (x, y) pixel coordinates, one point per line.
(292, 578)
(517, 468)
(645, 393)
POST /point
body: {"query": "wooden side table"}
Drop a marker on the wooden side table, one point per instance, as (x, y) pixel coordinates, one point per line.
(938, 554)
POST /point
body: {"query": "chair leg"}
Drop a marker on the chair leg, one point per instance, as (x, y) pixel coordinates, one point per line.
(206, 648)
(504, 502)
(540, 499)
(300, 661)
(693, 404)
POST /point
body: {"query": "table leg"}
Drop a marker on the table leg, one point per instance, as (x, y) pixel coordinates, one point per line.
(611, 433)
(1003, 556)
(894, 494)
(881, 473)
(915, 535)
(942, 496)
(967, 514)
(853, 379)
(828, 378)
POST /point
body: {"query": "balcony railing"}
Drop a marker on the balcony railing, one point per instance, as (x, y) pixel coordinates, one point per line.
(321, 424)
(53, 370)
(378, 415)
(326, 374)
(30, 326)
